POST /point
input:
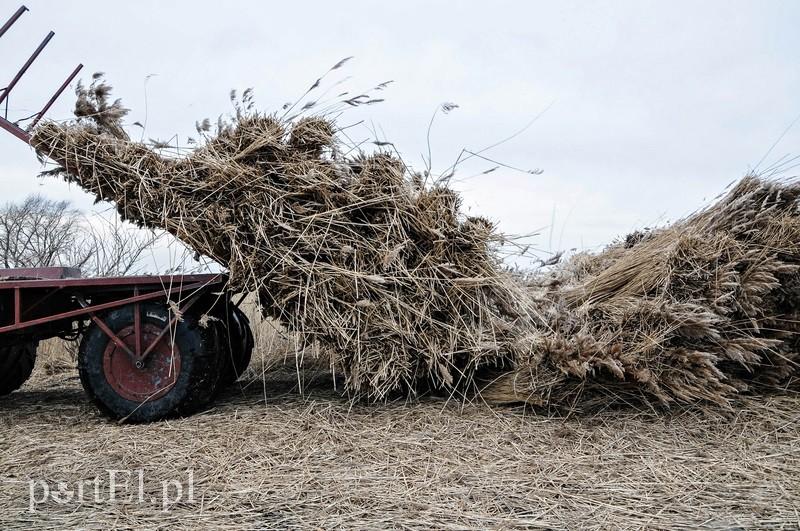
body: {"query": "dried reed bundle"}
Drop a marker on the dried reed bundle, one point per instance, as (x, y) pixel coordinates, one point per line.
(691, 312)
(356, 255)
(402, 291)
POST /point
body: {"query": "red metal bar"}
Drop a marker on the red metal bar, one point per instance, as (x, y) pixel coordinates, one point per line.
(15, 130)
(55, 97)
(137, 323)
(17, 306)
(13, 19)
(25, 67)
(110, 333)
(12, 127)
(160, 281)
(98, 307)
(39, 273)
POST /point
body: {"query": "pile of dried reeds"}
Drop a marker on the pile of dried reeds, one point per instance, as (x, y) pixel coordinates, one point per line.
(387, 276)
(696, 311)
(356, 255)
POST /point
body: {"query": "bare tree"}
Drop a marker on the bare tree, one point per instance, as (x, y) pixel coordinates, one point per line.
(40, 232)
(117, 248)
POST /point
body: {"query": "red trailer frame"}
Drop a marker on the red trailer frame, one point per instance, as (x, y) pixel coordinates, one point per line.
(151, 346)
(46, 302)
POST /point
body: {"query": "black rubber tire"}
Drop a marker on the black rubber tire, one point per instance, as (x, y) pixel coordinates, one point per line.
(16, 365)
(196, 383)
(236, 346)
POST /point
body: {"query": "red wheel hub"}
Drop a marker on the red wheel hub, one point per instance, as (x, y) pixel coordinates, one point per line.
(159, 373)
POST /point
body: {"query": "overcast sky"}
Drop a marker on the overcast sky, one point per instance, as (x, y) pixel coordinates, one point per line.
(650, 108)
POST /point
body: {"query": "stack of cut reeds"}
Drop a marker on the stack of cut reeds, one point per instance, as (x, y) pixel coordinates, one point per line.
(696, 311)
(404, 292)
(355, 255)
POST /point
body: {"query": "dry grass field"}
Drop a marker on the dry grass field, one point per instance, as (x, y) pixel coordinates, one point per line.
(268, 457)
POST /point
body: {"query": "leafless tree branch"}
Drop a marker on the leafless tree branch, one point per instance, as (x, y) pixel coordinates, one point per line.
(39, 232)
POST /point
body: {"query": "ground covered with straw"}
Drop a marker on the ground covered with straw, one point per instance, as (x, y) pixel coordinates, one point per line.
(268, 457)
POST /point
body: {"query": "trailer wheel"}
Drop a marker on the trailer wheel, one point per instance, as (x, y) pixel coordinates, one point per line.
(236, 346)
(178, 377)
(16, 366)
